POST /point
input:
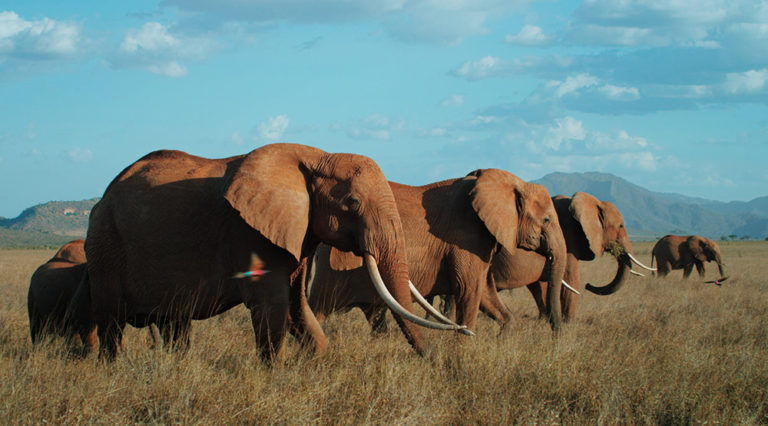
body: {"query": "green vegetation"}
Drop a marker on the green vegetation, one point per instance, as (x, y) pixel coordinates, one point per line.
(10, 238)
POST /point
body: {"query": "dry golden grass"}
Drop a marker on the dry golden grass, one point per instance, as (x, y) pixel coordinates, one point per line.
(658, 352)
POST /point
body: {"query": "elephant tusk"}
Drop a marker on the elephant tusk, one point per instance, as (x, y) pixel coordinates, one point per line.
(570, 288)
(640, 264)
(636, 273)
(378, 284)
(434, 312)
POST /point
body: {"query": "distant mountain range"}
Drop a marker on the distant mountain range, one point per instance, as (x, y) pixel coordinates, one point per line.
(656, 213)
(648, 214)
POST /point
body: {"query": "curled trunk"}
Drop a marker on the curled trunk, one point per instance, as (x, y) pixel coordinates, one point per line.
(624, 265)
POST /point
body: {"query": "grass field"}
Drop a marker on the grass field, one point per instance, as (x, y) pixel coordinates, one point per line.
(657, 352)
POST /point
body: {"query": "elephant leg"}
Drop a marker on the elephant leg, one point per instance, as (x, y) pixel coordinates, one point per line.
(539, 292)
(110, 333)
(175, 333)
(269, 303)
(446, 304)
(491, 304)
(376, 316)
(35, 328)
(568, 299)
(687, 269)
(662, 268)
(470, 283)
(700, 269)
(304, 325)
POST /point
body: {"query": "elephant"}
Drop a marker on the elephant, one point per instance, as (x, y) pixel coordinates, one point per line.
(51, 288)
(683, 252)
(178, 237)
(452, 230)
(591, 227)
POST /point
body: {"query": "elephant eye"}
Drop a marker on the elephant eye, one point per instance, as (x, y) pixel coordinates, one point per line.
(546, 220)
(351, 203)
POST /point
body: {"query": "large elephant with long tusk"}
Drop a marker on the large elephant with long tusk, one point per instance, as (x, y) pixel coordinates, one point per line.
(591, 228)
(178, 237)
(452, 230)
(685, 252)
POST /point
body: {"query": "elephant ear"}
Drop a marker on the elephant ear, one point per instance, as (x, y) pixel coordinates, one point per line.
(497, 197)
(269, 189)
(695, 245)
(585, 209)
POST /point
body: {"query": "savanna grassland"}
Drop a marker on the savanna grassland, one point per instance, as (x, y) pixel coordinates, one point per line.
(657, 352)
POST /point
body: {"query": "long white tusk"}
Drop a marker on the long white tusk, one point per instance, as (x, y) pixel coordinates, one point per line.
(378, 283)
(640, 264)
(570, 288)
(434, 312)
(633, 272)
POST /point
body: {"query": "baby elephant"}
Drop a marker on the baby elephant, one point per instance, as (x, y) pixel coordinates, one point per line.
(685, 252)
(51, 289)
(53, 309)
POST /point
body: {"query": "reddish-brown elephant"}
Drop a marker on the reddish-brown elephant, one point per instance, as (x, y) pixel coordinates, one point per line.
(452, 230)
(51, 289)
(685, 252)
(178, 237)
(591, 228)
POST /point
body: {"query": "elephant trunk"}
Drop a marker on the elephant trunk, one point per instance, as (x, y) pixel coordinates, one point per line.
(624, 264)
(556, 262)
(720, 268)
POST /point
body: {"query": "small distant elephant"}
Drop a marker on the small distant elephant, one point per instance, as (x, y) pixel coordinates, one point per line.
(51, 289)
(683, 252)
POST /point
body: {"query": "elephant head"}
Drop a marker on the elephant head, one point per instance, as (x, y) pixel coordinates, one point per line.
(521, 215)
(704, 250)
(297, 196)
(593, 227)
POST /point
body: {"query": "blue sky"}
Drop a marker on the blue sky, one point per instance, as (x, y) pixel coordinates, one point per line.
(670, 95)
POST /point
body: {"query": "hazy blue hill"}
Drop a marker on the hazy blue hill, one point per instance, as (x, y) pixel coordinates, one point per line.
(651, 212)
(56, 217)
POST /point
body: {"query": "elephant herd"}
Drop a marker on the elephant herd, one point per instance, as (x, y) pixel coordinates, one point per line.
(295, 234)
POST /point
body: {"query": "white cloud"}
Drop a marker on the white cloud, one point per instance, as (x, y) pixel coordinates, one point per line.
(481, 68)
(375, 126)
(453, 100)
(152, 36)
(155, 48)
(169, 69)
(746, 82)
(558, 135)
(618, 141)
(619, 93)
(572, 84)
(530, 35)
(79, 155)
(430, 21)
(273, 128)
(40, 39)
